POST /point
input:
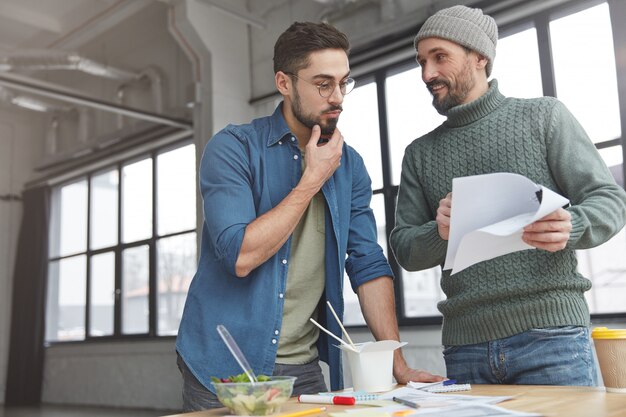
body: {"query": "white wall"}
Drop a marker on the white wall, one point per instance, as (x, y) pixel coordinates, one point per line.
(226, 40)
(18, 131)
(139, 374)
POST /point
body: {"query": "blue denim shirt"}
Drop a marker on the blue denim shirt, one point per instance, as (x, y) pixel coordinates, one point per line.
(246, 170)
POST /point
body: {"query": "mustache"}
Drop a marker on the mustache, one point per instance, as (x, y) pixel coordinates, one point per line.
(431, 84)
(333, 108)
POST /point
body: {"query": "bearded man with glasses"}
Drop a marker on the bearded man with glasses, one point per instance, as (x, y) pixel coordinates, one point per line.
(286, 214)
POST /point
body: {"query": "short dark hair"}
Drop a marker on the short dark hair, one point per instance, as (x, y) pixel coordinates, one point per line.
(292, 49)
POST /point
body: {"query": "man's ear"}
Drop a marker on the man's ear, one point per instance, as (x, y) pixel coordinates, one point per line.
(482, 61)
(283, 83)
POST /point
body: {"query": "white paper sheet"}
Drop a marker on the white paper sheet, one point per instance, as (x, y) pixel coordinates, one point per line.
(488, 214)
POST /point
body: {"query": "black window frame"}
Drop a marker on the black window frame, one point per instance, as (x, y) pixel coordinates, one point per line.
(119, 248)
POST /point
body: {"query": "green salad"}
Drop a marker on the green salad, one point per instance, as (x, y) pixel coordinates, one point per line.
(261, 398)
(239, 378)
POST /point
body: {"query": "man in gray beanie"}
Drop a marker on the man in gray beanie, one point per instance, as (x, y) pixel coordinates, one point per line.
(519, 318)
(467, 27)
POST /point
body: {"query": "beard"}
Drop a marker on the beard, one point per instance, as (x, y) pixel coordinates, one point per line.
(310, 120)
(457, 92)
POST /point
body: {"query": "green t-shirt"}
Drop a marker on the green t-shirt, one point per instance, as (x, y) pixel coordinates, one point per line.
(305, 285)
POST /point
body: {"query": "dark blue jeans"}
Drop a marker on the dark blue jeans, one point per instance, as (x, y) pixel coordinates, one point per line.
(197, 397)
(551, 356)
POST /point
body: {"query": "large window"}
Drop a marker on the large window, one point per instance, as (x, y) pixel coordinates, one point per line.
(565, 52)
(123, 249)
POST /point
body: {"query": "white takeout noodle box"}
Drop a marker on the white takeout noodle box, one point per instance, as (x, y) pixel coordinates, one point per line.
(372, 366)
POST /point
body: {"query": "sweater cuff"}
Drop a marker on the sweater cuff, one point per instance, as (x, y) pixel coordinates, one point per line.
(433, 243)
(578, 229)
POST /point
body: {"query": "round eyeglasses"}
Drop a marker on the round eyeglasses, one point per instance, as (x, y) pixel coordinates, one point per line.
(327, 88)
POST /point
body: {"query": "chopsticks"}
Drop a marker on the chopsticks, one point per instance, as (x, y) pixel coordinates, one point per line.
(348, 345)
(343, 329)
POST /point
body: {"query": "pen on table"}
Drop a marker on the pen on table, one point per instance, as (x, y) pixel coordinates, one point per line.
(445, 382)
(305, 412)
(406, 402)
(326, 399)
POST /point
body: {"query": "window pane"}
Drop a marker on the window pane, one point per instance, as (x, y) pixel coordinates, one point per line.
(176, 190)
(177, 265)
(102, 294)
(516, 66)
(135, 289)
(410, 113)
(65, 316)
(68, 233)
(422, 292)
(614, 157)
(359, 126)
(352, 315)
(605, 266)
(104, 199)
(137, 201)
(584, 67)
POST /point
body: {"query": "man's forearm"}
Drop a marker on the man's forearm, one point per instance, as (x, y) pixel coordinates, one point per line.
(265, 235)
(378, 305)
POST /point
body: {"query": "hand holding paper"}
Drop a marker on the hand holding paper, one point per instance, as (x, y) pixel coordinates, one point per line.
(443, 216)
(551, 232)
(489, 213)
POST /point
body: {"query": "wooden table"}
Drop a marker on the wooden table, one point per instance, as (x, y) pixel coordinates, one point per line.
(551, 401)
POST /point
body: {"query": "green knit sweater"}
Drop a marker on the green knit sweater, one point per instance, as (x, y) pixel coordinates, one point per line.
(540, 139)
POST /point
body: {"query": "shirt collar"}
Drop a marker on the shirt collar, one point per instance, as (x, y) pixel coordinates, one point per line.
(278, 126)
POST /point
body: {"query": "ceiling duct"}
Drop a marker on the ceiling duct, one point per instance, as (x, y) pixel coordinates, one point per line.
(32, 103)
(48, 59)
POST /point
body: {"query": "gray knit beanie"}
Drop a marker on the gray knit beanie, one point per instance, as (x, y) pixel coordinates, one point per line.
(466, 26)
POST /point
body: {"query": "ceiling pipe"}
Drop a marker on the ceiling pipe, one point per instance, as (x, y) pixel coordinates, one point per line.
(48, 59)
(31, 103)
(57, 92)
(156, 84)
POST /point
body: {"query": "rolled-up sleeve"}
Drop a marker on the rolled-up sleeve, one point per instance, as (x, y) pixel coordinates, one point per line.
(228, 203)
(366, 260)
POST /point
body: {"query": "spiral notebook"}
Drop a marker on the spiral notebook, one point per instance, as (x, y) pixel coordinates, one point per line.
(438, 387)
(358, 395)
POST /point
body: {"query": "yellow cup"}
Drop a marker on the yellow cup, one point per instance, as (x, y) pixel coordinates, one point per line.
(611, 350)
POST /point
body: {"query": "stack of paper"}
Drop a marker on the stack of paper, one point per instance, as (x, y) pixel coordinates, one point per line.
(489, 213)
